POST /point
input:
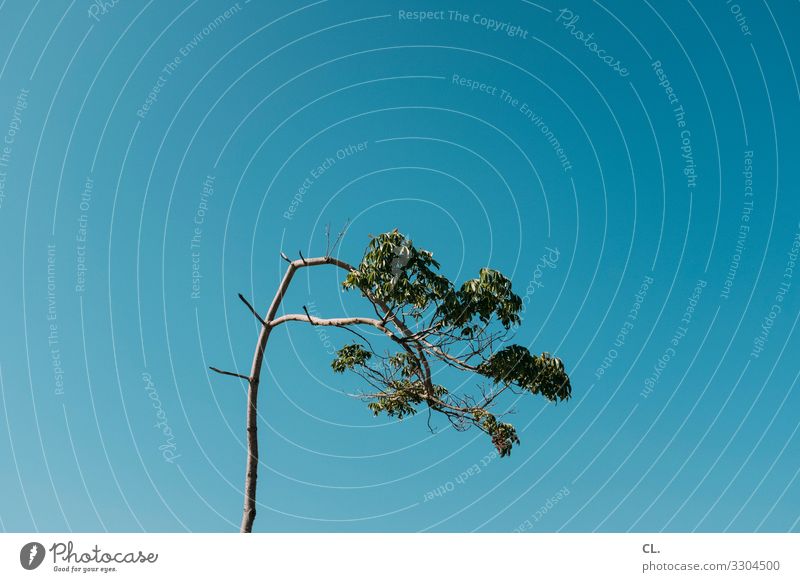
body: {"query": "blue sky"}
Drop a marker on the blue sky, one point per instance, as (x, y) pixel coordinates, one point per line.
(648, 147)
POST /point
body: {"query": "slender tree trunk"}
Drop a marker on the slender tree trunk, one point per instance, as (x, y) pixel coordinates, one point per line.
(251, 471)
(251, 474)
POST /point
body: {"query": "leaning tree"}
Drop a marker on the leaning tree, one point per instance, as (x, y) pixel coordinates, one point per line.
(430, 325)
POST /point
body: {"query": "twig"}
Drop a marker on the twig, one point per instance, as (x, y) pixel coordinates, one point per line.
(328, 240)
(308, 315)
(339, 237)
(359, 335)
(302, 258)
(252, 309)
(234, 374)
(430, 413)
(285, 258)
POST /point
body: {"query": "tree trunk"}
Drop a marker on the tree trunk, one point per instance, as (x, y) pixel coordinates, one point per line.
(251, 474)
(251, 471)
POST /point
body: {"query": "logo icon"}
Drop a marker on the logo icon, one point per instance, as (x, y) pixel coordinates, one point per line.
(31, 555)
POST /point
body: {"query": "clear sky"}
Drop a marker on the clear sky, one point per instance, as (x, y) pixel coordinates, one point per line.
(631, 166)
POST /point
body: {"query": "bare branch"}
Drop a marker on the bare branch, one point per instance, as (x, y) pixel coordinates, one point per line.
(335, 322)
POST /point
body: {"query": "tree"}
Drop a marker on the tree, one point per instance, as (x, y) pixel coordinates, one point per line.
(431, 325)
